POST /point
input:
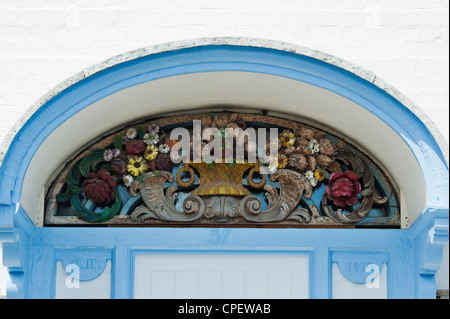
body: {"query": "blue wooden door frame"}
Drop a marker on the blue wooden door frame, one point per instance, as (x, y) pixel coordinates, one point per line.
(413, 256)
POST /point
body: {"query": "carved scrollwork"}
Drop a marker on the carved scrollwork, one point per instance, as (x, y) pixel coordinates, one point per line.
(160, 205)
(282, 206)
(222, 207)
(250, 180)
(369, 197)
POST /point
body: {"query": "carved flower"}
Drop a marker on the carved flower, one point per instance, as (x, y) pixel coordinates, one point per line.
(298, 162)
(137, 165)
(153, 128)
(287, 138)
(311, 162)
(313, 182)
(108, 155)
(311, 178)
(319, 174)
(206, 120)
(151, 138)
(343, 188)
(151, 152)
(314, 146)
(290, 150)
(131, 133)
(118, 167)
(303, 149)
(282, 161)
(273, 167)
(327, 147)
(164, 162)
(324, 161)
(135, 147)
(221, 120)
(127, 180)
(309, 174)
(124, 139)
(301, 141)
(307, 132)
(164, 148)
(100, 187)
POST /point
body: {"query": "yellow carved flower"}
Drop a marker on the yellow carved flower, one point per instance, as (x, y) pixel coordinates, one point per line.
(287, 138)
(319, 174)
(137, 166)
(151, 152)
(282, 161)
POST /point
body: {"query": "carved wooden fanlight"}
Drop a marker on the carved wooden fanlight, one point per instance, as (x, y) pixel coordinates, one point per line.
(129, 178)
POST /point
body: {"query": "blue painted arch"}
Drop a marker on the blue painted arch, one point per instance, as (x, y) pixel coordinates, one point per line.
(224, 58)
(215, 58)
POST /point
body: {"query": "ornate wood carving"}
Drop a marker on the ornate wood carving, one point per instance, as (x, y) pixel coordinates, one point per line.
(316, 179)
(282, 206)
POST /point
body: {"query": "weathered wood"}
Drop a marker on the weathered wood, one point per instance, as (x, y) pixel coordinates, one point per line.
(221, 197)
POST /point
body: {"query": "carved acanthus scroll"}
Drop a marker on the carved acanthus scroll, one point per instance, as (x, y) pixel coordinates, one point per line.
(368, 193)
(282, 206)
(160, 205)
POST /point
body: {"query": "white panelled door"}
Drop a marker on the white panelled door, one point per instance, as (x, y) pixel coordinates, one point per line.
(231, 275)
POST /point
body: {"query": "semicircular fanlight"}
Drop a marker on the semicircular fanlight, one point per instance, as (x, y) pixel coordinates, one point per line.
(223, 169)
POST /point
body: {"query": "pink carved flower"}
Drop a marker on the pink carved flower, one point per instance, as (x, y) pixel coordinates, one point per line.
(343, 188)
(100, 187)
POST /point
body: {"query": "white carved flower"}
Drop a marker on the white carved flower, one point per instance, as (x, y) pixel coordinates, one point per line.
(273, 167)
(131, 133)
(164, 148)
(313, 182)
(309, 175)
(313, 145)
(312, 179)
(127, 180)
(151, 138)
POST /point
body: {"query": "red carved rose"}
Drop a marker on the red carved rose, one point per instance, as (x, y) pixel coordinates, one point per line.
(135, 147)
(343, 188)
(100, 187)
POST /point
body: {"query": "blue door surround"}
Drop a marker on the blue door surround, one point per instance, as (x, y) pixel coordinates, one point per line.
(413, 256)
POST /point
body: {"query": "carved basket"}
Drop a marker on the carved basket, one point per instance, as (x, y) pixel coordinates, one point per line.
(219, 178)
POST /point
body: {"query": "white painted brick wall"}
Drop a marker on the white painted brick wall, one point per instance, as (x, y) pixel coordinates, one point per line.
(42, 42)
(404, 42)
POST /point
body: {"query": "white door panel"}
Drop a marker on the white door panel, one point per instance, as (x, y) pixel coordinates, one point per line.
(221, 276)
